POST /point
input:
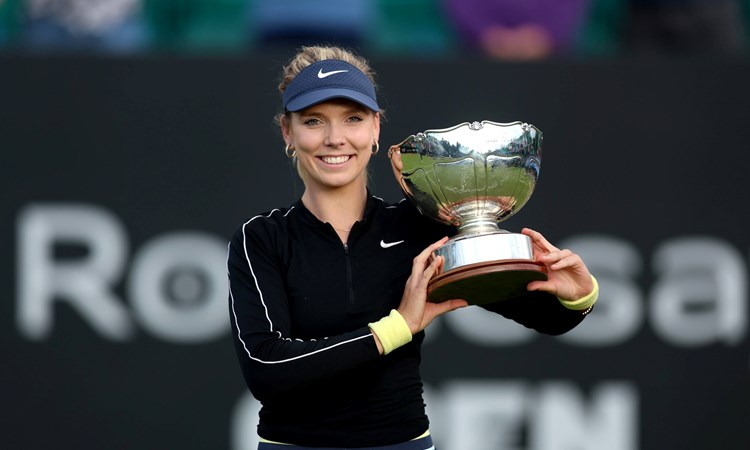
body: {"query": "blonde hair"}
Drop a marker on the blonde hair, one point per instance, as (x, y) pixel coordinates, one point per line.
(309, 55)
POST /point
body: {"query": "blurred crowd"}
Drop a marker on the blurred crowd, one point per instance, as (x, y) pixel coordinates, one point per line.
(504, 29)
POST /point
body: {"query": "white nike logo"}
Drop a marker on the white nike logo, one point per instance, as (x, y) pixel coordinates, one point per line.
(322, 74)
(389, 244)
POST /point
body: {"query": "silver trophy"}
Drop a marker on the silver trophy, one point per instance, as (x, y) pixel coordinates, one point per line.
(473, 176)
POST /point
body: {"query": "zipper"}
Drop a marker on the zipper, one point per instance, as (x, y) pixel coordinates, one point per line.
(349, 281)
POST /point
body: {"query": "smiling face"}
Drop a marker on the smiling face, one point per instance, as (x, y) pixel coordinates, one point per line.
(333, 141)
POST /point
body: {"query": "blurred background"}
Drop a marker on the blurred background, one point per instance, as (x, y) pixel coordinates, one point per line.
(500, 29)
(136, 135)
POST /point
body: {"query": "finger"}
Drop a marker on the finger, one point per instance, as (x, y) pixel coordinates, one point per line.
(538, 249)
(544, 286)
(434, 246)
(439, 243)
(457, 303)
(553, 257)
(448, 306)
(440, 263)
(394, 151)
(422, 259)
(570, 261)
(431, 270)
(420, 264)
(539, 239)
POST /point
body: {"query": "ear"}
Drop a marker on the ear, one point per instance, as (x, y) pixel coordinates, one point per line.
(286, 130)
(376, 127)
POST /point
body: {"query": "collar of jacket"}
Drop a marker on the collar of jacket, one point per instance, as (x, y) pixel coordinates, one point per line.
(310, 219)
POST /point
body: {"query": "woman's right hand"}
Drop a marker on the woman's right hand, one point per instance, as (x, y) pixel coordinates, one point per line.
(414, 307)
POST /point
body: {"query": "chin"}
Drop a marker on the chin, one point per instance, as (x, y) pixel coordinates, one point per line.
(339, 182)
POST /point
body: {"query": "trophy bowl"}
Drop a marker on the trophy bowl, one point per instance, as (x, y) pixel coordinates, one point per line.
(473, 176)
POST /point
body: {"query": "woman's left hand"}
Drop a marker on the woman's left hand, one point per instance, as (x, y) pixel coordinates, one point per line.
(568, 278)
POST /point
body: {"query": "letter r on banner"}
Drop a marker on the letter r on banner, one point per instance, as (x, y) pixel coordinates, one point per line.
(84, 282)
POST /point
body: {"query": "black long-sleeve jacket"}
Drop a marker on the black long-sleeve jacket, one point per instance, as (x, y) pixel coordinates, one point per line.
(300, 301)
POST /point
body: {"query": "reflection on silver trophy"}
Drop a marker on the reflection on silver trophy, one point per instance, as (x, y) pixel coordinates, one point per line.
(473, 176)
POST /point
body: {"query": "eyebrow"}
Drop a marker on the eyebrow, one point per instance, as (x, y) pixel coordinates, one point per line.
(354, 107)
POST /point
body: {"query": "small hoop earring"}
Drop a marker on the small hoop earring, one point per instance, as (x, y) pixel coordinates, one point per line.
(375, 148)
(289, 154)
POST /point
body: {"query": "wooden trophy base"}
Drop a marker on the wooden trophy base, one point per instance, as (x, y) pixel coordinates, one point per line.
(486, 282)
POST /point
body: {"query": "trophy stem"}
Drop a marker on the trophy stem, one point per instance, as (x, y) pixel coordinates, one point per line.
(479, 225)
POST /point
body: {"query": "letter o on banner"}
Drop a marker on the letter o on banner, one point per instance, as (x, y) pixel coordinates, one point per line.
(178, 287)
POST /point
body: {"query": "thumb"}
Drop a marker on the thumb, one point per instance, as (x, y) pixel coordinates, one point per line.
(539, 286)
(449, 305)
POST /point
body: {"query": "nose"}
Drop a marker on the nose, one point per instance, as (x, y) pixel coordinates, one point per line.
(334, 136)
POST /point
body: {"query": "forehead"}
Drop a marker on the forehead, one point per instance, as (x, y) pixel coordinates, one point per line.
(334, 105)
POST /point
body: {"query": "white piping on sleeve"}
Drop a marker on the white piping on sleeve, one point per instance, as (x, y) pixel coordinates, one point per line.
(247, 257)
(311, 353)
(237, 324)
(234, 312)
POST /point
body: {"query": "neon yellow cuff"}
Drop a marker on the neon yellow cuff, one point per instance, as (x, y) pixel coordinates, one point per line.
(583, 303)
(392, 331)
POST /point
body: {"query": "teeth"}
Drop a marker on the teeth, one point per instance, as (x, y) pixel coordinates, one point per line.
(335, 159)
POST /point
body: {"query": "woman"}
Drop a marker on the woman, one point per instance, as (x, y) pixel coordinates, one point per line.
(328, 296)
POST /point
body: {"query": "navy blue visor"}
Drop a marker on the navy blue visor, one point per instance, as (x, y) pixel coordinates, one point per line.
(329, 79)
